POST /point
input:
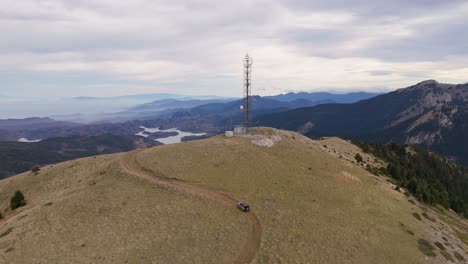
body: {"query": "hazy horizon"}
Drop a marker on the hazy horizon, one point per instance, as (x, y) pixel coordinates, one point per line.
(18, 108)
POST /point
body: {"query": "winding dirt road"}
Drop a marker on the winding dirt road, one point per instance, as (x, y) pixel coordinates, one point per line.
(252, 244)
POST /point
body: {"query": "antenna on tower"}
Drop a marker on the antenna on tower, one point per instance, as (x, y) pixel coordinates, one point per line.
(247, 90)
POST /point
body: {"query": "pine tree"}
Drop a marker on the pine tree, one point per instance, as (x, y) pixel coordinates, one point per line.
(17, 200)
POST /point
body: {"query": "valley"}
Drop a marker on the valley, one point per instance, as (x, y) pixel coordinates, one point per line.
(18, 157)
(167, 136)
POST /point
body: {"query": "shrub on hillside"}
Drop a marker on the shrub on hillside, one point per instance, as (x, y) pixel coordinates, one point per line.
(6, 232)
(458, 256)
(417, 216)
(17, 200)
(426, 247)
(358, 158)
(35, 169)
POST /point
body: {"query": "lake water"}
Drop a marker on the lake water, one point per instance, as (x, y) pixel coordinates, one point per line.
(170, 139)
(28, 141)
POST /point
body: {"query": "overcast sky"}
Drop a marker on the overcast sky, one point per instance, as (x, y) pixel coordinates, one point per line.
(72, 47)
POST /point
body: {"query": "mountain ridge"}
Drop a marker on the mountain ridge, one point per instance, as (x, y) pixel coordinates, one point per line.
(428, 114)
(351, 97)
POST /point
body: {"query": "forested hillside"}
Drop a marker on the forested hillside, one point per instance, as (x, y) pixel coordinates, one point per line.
(430, 178)
(17, 157)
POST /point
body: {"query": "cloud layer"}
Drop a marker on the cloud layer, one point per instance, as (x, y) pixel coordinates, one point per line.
(69, 48)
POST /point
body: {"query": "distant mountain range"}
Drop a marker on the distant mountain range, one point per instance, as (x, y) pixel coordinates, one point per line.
(216, 117)
(32, 122)
(230, 106)
(81, 109)
(284, 101)
(325, 97)
(164, 104)
(154, 109)
(150, 97)
(429, 114)
(197, 115)
(87, 109)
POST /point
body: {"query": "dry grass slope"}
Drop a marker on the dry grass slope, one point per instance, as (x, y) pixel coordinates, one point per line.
(313, 203)
(101, 215)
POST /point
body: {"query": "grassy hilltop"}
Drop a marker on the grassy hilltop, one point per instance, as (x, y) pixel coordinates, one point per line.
(311, 203)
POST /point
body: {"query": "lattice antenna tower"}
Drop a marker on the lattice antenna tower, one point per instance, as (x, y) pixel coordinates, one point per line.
(247, 90)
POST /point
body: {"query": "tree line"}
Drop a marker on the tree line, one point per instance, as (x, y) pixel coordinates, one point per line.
(428, 177)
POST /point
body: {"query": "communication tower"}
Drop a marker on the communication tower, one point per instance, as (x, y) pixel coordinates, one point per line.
(247, 91)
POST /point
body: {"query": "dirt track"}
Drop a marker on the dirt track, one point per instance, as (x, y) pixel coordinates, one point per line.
(252, 244)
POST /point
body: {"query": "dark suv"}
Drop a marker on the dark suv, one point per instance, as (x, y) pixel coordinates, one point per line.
(243, 206)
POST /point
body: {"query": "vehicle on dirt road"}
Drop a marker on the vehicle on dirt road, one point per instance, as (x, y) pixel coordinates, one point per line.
(243, 206)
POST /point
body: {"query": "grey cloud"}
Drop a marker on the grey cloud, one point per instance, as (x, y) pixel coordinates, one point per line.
(431, 38)
(430, 42)
(205, 34)
(370, 8)
(203, 24)
(380, 73)
(180, 33)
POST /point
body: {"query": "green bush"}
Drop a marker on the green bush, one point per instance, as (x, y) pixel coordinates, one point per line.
(17, 200)
(428, 217)
(439, 245)
(417, 216)
(6, 232)
(426, 248)
(358, 158)
(35, 170)
(447, 256)
(458, 256)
